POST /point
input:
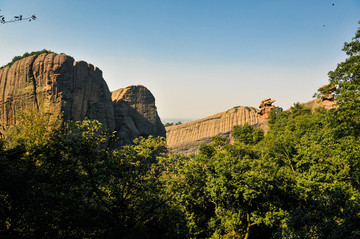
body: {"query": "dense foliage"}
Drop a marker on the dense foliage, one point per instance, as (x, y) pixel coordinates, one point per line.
(33, 127)
(73, 187)
(300, 180)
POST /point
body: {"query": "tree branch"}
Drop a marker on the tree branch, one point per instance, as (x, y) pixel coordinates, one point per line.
(17, 19)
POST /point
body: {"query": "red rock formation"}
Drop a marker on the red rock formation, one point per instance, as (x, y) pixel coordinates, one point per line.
(265, 108)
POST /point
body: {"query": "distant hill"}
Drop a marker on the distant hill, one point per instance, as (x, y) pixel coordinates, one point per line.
(186, 137)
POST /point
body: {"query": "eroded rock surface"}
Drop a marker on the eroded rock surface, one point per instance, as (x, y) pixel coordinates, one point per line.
(265, 108)
(76, 90)
(136, 113)
(186, 137)
(57, 83)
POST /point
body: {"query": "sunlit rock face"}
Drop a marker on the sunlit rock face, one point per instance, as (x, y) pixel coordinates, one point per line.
(58, 83)
(265, 108)
(76, 90)
(186, 138)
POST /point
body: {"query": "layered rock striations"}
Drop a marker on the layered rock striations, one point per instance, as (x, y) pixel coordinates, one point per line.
(186, 138)
(136, 113)
(76, 90)
(58, 83)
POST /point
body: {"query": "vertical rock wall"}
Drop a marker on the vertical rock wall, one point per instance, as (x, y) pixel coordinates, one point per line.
(136, 113)
(57, 83)
(76, 90)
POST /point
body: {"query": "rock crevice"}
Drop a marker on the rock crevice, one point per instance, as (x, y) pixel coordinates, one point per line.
(33, 80)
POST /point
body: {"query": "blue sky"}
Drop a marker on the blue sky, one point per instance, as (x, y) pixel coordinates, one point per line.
(198, 57)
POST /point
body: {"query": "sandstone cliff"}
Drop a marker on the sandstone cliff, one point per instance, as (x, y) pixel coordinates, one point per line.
(187, 137)
(58, 83)
(136, 114)
(76, 90)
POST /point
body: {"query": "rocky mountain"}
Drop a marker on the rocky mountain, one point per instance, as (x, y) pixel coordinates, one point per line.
(135, 113)
(186, 138)
(76, 90)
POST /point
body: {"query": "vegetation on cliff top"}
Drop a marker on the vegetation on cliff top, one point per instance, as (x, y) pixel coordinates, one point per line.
(167, 124)
(26, 54)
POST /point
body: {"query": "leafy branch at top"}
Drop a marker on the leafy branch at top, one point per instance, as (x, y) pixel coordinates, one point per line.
(18, 18)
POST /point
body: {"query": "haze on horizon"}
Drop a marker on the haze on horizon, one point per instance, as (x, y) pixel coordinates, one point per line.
(197, 57)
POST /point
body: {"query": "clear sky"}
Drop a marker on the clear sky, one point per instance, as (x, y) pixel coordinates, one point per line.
(197, 57)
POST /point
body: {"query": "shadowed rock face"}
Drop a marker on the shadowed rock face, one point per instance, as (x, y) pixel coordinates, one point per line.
(77, 90)
(136, 114)
(187, 137)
